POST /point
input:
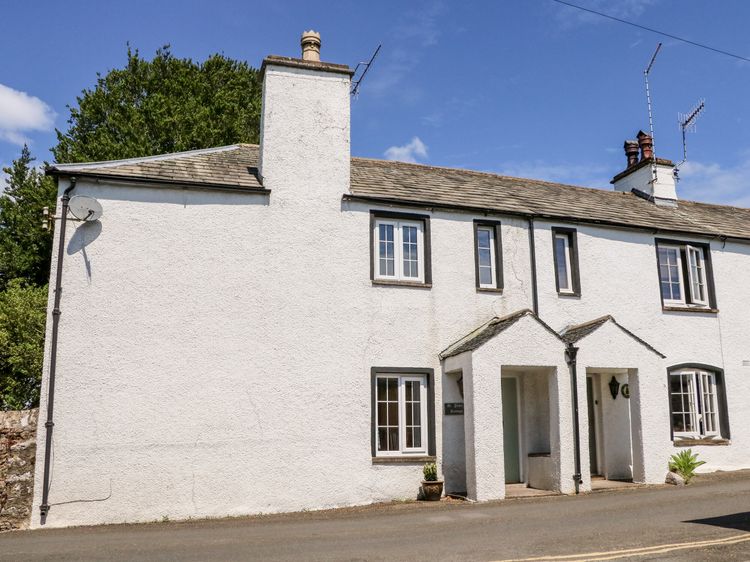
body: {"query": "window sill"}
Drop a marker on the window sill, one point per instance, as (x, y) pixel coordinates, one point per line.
(489, 290)
(405, 459)
(415, 284)
(702, 310)
(564, 294)
(704, 441)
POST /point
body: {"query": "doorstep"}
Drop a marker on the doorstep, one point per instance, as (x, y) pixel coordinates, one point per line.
(600, 483)
(513, 491)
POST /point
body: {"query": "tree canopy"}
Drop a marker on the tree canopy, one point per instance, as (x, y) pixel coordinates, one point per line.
(163, 105)
(24, 246)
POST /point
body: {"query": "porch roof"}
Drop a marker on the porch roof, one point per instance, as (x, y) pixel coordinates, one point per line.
(490, 329)
(576, 332)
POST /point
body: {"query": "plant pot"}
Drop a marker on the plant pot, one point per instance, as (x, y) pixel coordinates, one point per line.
(432, 490)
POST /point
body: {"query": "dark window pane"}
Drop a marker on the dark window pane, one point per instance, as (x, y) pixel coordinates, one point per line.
(392, 413)
(485, 276)
(382, 413)
(393, 389)
(382, 439)
(409, 437)
(393, 439)
(382, 384)
(417, 437)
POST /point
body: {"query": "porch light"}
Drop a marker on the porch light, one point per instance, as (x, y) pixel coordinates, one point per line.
(614, 387)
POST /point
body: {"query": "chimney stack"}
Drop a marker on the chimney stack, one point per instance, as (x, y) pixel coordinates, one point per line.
(311, 46)
(647, 145)
(631, 151)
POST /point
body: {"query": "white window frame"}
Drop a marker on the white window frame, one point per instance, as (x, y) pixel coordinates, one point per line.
(403, 449)
(565, 237)
(702, 386)
(697, 272)
(678, 251)
(493, 259)
(691, 286)
(398, 250)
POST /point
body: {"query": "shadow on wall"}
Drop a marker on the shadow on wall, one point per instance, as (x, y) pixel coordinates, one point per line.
(84, 235)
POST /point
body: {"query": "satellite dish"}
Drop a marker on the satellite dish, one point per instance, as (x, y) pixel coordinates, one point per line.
(85, 208)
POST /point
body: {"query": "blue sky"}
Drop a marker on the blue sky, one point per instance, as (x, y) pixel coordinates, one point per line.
(528, 88)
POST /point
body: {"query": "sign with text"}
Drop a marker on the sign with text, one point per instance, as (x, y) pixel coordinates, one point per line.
(453, 408)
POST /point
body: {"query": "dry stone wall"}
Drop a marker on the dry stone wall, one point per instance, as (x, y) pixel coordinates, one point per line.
(17, 453)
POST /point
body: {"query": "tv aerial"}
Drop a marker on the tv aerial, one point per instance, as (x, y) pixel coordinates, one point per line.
(365, 66)
(687, 125)
(650, 114)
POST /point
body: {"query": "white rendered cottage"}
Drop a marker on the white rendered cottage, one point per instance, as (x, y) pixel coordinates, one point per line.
(256, 329)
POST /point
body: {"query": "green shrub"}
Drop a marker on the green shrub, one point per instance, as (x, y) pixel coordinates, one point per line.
(430, 472)
(684, 463)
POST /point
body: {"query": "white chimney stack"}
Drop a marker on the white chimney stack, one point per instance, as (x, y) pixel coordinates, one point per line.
(648, 176)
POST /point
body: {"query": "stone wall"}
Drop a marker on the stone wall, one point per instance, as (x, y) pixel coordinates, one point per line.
(17, 452)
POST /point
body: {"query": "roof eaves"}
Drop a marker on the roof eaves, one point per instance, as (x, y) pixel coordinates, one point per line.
(74, 167)
(150, 181)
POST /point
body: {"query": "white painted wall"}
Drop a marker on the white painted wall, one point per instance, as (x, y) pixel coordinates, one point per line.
(665, 186)
(215, 349)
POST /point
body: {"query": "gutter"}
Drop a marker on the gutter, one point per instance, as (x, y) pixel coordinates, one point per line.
(149, 181)
(532, 257)
(49, 424)
(571, 352)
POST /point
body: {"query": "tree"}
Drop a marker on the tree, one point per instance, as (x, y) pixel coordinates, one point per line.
(163, 105)
(24, 246)
(22, 323)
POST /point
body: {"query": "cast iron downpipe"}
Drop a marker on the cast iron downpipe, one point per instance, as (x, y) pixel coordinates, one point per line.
(532, 256)
(571, 352)
(49, 424)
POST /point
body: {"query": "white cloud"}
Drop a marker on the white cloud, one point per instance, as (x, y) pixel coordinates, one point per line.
(714, 183)
(408, 152)
(20, 113)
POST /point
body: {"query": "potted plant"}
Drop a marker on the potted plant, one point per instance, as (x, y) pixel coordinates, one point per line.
(432, 488)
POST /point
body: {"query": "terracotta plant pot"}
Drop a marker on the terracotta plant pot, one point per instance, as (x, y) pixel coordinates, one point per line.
(432, 490)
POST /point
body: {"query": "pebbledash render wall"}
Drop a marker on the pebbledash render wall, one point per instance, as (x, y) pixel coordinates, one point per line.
(17, 451)
(215, 348)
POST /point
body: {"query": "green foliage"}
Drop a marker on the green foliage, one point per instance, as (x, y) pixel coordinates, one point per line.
(24, 247)
(684, 463)
(163, 105)
(22, 323)
(430, 472)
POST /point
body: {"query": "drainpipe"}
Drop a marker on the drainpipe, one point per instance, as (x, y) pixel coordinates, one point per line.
(570, 357)
(532, 252)
(49, 424)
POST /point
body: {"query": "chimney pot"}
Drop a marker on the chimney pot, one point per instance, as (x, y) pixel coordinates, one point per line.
(311, 46)
(631, 151)
(647, 145)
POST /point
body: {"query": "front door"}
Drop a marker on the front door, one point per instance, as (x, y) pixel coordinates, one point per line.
(591, 399)
(511, 447)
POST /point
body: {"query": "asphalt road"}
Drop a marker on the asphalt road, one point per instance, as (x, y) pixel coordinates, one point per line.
(709, 520)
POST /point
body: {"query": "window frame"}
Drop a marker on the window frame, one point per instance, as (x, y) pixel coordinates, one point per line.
(570, 235)
(689, 301)
(426, 377)
(496, 253)
(721, 415)
(399, 220)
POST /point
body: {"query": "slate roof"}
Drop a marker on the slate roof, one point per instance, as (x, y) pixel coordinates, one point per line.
(235, 167)
(489, 330)
(573, 334)
(227, 167)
